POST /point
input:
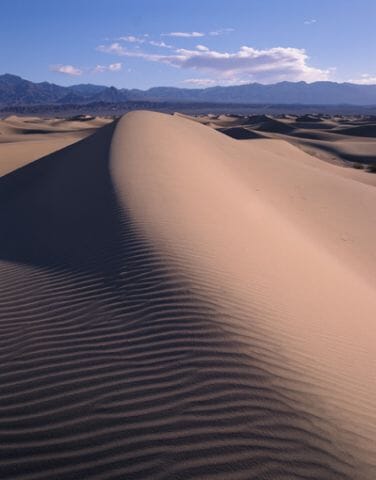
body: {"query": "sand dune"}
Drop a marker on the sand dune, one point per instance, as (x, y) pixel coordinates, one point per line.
(25, 139)
(240, 133)
(359, 130)
(339, 140)
(176, 303)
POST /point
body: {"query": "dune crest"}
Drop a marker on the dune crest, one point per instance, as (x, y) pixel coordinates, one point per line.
(169, 311)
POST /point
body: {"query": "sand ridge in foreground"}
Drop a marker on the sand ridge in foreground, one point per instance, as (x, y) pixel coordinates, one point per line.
(167, 311)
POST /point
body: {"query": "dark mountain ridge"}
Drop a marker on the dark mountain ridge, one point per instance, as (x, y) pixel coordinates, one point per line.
(15, 91)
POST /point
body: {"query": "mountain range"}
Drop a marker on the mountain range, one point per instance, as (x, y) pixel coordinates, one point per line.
(15, 91)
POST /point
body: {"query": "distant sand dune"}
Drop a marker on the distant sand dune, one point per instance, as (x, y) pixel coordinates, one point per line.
(359, 130)
(25, 139)
(343, 141)
(240, 133)
(177, 304)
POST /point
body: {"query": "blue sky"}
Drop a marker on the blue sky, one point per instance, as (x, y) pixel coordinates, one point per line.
(191, 43)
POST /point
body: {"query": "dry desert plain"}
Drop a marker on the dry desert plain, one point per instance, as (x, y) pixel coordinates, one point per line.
(188, 298)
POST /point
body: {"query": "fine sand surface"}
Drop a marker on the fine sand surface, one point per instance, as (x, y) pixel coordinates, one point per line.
(178, 304)
(25, 139)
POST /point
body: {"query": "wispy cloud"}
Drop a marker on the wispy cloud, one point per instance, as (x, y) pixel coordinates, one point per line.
(221, 31)
(133, 38)
(183, 34)
(66, 69)
(310, 21)
(112, 67)
(365, 79)
(246, 64)
(213, 33)
(114, 48)
(142, 39)
(155, 43)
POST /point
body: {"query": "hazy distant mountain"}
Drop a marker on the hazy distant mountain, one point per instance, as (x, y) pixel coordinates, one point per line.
(15, 90)
(72, 98)
(86, 89)
(324, 93)
(111, 95)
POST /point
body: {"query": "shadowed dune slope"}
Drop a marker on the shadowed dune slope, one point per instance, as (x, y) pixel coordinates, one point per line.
(359, 130)
(161, 319)
(240, 133)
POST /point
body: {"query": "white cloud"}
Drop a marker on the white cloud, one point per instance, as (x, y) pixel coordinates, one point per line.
(75, 71)
(159, 44)
(247, 64)
(114, 48)
(66, 69)
(200, 82)
(365, 79)
(183, 34)
(113, 67)
(202, 48)
(310, 21)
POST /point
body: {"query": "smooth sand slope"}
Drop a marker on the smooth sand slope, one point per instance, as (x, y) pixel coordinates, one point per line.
(177, 304)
